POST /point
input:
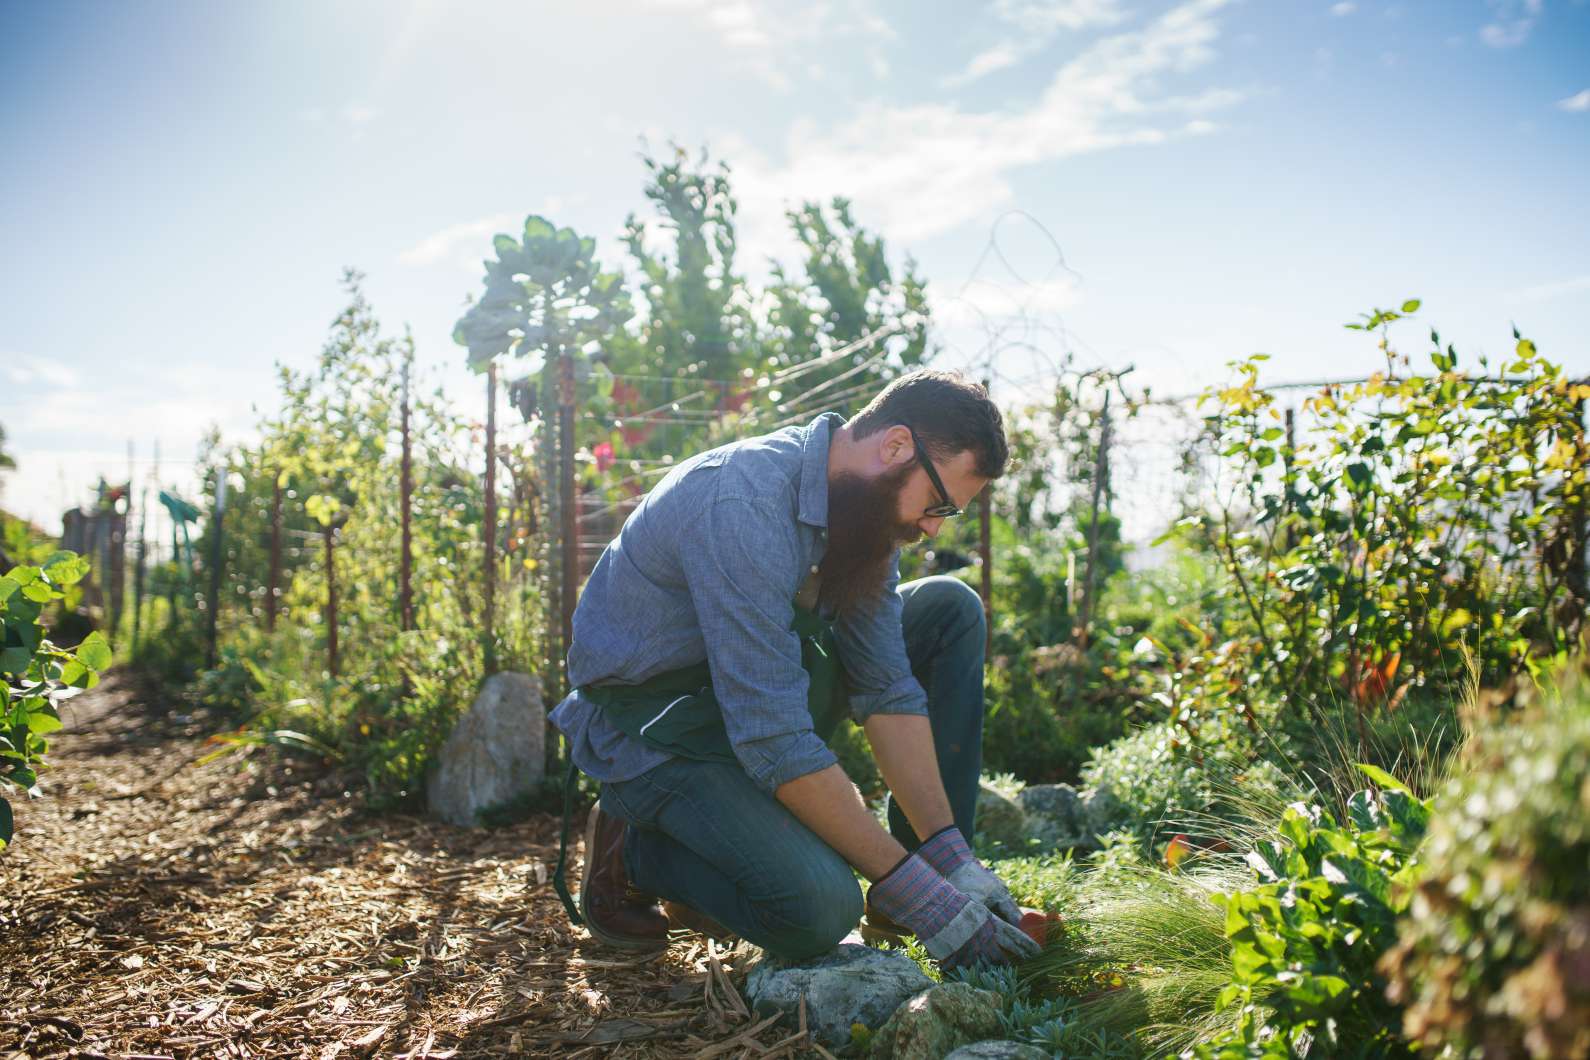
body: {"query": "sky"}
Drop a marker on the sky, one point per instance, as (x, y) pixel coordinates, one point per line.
(1161, 185)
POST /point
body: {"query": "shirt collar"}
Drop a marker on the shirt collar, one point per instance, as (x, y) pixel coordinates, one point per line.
(814, 469)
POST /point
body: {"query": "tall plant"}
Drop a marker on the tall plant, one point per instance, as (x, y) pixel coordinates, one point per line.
(1411, 519)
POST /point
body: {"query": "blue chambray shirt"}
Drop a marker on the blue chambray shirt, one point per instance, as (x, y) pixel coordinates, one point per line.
(708, 567)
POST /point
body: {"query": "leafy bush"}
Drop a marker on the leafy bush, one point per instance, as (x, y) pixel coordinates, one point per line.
(1163, 784)
(1405, 521)
(35, 674)
(1304, 942)
(1494, 955)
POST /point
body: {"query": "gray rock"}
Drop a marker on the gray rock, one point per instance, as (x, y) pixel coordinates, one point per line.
(496, 751)
(937, 1021)
(1054, 815)
(1101, 809)
(1003, 1049)
(999, 817)
(849, 984)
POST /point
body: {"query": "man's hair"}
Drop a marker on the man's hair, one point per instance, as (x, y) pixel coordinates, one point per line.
(949, 412)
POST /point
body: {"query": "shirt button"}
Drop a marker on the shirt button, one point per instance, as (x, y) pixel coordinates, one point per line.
(814, 568)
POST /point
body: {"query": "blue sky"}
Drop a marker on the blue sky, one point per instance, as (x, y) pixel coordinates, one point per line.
(183, 181)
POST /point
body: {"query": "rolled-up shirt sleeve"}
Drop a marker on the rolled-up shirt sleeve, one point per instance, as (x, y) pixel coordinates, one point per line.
(740, 559)
(872, 647)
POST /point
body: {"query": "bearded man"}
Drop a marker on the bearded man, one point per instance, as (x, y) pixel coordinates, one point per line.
(747, 605)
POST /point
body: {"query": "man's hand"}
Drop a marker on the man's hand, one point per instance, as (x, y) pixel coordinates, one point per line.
(948, 853)
(956, 929)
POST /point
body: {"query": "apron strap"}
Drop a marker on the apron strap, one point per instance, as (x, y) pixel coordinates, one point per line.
(559, 882)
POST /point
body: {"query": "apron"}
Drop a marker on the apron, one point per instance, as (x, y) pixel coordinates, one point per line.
(677, 712)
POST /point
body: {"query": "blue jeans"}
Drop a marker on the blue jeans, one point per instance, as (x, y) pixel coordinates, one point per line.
(705, 835)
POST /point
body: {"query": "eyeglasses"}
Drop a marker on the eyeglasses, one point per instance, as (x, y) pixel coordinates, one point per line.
(933, 511)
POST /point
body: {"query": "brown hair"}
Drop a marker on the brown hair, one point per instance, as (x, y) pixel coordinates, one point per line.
(949, 412)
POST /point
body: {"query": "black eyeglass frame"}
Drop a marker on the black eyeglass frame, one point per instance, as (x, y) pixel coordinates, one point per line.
(936, 511)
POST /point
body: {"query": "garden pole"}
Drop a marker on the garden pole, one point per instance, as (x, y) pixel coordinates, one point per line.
(274, 581)
(571, 540)
(217, 550)
(1101, 470)
(138, 566)
(1290, 457)
(406, 503)
(326, 532)
(985, 552)
(489, 642)
(1579, 571)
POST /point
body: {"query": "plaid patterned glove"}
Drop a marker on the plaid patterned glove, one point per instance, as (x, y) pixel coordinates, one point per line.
(946, 851)
(956, 930)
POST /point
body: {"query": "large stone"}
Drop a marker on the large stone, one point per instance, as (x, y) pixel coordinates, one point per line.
(496, 752)
(1054, 815)
(1101, 810)
(850, 984)
(999, 817)
(937, 1021)
(1002, 1049)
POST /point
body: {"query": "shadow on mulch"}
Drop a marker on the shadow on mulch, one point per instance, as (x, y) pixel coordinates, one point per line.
(246, 907)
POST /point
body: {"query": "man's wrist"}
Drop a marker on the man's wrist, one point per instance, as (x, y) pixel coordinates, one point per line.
(946, 850)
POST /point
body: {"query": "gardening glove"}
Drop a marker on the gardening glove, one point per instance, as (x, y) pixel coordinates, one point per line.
(955, 929)
(946, 851)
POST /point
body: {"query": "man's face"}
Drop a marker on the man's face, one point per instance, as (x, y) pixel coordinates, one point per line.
(869, 516)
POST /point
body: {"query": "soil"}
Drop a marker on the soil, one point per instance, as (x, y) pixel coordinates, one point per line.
(160, 905)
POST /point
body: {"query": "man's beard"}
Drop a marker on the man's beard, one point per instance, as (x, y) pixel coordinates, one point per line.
(862, 536)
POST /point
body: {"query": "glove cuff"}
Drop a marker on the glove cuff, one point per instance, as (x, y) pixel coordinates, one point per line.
(946, 850)
(914, 894)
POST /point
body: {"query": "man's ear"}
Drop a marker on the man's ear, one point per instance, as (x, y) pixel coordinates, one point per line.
(895, 447)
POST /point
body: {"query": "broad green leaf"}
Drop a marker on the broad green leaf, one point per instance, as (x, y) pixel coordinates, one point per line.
(1411, 306)
(8, 586)
(41, 724)
(1381, 777)
(94, 652)
(66, 568)
(7, 823)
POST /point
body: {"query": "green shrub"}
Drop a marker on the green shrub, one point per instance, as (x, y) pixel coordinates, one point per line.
(35, 674)
(1305, 941)
(1494, 956)
(1163, 785)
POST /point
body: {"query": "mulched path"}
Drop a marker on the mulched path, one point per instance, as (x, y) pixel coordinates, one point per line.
(157, 907)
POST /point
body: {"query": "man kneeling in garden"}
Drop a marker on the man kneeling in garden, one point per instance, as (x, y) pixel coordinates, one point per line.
(749, 602)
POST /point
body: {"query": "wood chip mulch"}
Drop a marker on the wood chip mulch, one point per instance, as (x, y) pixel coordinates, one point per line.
(151, 906)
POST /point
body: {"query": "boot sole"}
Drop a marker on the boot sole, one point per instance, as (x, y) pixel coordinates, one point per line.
(607, 938)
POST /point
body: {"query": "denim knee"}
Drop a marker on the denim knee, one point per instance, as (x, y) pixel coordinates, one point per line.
(960, 604)
(815, 918)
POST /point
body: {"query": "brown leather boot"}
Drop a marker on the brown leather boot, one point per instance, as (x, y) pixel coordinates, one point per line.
(683, 918)
(615, 913)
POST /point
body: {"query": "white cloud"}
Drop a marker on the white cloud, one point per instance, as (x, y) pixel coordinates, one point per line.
(472, 239)
(1346, 7)
(767, 36)
(984, 63)
(1577, 103)
(25, 371)
(359, 114)
(439, 246)
(1512, 21)
(1036, 22)
(1046, 17)
(1545, 292)
(918, 170)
